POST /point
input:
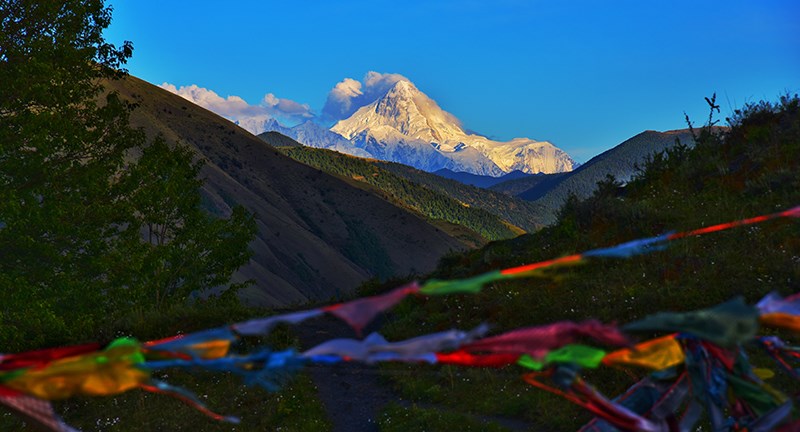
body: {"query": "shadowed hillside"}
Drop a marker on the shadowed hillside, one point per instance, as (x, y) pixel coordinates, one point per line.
(481, 181)
(517, 186)
(318, 236)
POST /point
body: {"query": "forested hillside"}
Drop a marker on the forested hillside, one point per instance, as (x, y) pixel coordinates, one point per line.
(405, 193)
(429, 194)
(524, 214)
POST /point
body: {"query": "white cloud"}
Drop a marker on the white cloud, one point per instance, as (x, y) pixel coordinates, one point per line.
(340, 98)
(286, 107)
(250, 117)
(349, 95)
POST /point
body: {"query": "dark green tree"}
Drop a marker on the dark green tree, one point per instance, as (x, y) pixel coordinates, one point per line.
(93, 220)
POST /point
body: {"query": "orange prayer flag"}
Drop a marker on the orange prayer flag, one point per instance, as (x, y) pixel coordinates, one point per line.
(656, 354)
(781, 320)
(213, 349)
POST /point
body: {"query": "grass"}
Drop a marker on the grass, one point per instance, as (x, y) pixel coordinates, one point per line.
(293, 408)
(396, 418)
(485, 393)
(753, 170)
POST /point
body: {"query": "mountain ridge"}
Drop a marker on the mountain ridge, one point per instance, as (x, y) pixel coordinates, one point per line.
(484, 182)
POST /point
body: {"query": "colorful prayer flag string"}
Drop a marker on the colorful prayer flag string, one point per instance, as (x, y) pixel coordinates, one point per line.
(699, 366)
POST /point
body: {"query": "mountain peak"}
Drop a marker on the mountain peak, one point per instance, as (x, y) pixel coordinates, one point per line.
(403, 87)
(407, 111)
(272, 124)
(406, 125)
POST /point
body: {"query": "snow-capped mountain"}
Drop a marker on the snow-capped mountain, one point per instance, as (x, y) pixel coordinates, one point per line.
(314, 135)
(407, 126)
(253, 124)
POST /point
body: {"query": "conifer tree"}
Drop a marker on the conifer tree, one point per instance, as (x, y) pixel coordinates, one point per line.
(82, 193)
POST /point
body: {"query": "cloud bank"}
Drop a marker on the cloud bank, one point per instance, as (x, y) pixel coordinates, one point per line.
(349, 95)
(236, 109)
(343, 100)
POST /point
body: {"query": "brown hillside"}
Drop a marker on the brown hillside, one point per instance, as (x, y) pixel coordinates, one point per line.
(318, 237)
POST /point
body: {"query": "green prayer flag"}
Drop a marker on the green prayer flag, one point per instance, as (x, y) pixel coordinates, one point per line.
(527, 361)
(582, 355)
(755, 396)
(727, 324)
(471, 285)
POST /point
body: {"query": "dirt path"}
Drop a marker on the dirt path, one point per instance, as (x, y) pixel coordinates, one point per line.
(354, 394)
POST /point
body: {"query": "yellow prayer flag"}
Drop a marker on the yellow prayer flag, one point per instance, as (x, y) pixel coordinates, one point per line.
(111, 371)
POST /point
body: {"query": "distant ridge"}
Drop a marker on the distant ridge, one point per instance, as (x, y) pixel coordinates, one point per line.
(313, 135)
(479, 180)
(514, 187)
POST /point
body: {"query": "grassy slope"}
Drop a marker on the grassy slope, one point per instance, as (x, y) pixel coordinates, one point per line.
(755, 170)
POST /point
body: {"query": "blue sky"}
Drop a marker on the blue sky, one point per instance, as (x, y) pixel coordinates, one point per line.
(585, 75)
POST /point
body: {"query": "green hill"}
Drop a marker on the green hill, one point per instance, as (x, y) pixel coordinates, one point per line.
(751, 169)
